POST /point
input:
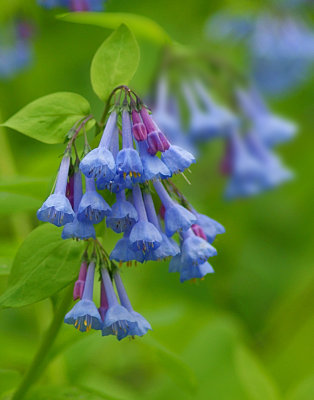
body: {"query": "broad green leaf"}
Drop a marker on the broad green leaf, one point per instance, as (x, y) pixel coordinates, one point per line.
(252, 376)
(49, 118)
(44, 264)
(62, 393)
(8, 379)
(115, 62)
(141, 26)
(12, 203)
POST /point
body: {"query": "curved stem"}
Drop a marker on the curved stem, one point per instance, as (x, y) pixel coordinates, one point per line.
(40, 360)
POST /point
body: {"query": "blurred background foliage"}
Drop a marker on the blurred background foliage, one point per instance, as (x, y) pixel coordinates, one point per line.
(245, 332)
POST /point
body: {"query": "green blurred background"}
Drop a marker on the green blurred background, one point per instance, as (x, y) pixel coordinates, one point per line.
(245, 332)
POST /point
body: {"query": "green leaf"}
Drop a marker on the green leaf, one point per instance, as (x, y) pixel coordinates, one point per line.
(12, 203)
(141, 26)
(62, 393)
(8, 379)
(252, 376)
(49, 118)
(44, 264)
(115, 62)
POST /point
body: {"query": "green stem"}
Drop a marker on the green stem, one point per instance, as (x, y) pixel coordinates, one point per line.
(40, 360)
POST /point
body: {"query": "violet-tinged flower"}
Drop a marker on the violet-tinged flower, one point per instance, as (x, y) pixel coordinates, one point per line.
(153, 167)
(198, 231)
(138, 127)
(177, 159)
(99, 163)
(128, 161)
(123, 214)
(122, 252)
(177, 218)
(195, 250)
(192, 263)
(247, 171)
(274, 172)
(168, 247)
(156, 140)
(271, 128)
(84, 315)
(142, 325)
(103, 302)
(209, 226)
(206, 123)
(195, 271)
(78, 229)
(92, 207)
(118, 320)
(80, 283)
(144, 235)
(57, 209)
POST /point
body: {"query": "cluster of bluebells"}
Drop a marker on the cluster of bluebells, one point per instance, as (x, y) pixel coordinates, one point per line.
(74, 5)
(134, 161)
(112, 317)
(15, 48)
(250, 160)
(250, 134)
(281, 46)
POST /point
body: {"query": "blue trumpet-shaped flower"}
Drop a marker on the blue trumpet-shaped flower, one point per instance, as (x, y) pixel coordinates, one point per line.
(177, 218)
(122, 252)
(153, 167)
(195, 250)
(92, 207)
(144, 235)
(195, 271)
(177, 159)
(210, 227)
(168, 248)
(118, 320)
(84, 315)
(99, 163)
(78, 230)
(271, 128)
(57, 209)
(123, 214)
(141, 325)
(128, 161)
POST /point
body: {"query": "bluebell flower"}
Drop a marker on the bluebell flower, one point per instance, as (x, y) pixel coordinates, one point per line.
(246, 171)
(153, 167)
(177, 159)
(79, 285)
(274, 172)
(92, 207)
(74, 5)
(118, 320)
(177, 218)
(195, 271)
(141, 325)
(168, 247)
(99, 163)
(195, 250)
(122, 252)
(123, 214)
(128, 162)
(57, 209)
(84, 315)
(210, 227)
(210, 121)
(138, 128)
(144, 235)
(78, 229)
(271, 128)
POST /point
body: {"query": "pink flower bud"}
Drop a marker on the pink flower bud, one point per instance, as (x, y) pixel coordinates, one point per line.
(198, 231)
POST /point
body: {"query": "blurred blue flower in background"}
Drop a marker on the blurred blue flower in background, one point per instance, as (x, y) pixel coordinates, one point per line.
(74, 5)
